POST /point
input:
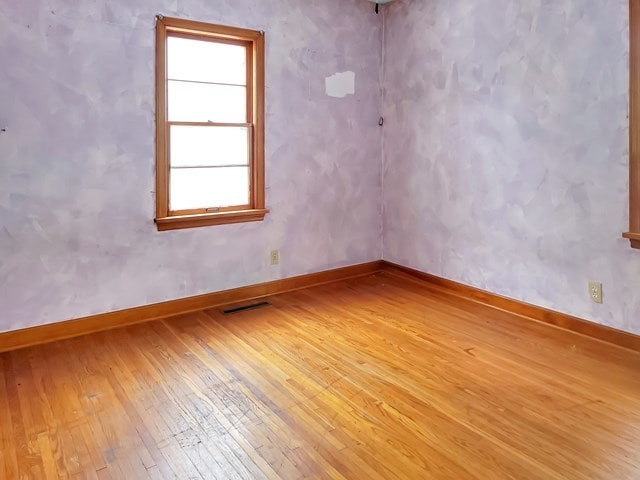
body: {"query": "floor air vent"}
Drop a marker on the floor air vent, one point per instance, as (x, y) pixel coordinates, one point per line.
(252, 306)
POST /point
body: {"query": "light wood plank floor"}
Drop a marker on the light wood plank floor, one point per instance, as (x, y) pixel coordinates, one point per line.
(373, 378)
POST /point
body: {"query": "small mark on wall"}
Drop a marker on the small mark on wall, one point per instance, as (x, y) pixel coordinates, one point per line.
(341, 84)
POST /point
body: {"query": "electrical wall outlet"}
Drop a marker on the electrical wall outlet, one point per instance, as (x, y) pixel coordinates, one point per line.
(595, 291)
(275, 257)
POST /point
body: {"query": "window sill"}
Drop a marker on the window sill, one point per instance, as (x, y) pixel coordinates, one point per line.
(634, 238)
(209, 219)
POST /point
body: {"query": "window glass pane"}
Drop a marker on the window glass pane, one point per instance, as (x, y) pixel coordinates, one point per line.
(198, 102)
(206, 61)
(208, 187)
(206, 146)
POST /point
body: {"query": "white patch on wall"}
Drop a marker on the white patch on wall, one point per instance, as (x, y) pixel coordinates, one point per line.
(341, 84)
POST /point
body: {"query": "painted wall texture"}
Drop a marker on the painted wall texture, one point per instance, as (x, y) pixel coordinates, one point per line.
(506, 157)
(504, 160)
(77, 160)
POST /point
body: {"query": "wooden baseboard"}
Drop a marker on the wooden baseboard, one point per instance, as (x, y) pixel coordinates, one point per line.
(106, 321)
(562, 320)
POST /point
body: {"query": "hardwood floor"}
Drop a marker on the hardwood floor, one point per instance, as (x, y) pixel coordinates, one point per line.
(379, 377)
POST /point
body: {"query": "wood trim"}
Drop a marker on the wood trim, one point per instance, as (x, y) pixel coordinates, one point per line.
(258, 110)
(207, 219)
(634, 123)
(254, 41)
(634, 239)
(162, 134)
(533, 312)
(107, 321)
(213, 30)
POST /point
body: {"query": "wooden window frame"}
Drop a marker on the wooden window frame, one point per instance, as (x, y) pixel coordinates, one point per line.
(254, 41)
(634, 125)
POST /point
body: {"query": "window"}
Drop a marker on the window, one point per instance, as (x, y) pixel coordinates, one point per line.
(210, 124)
(634, 125)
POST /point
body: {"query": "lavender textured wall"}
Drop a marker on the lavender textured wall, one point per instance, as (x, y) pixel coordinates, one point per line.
(77, 159)
(505, 152)
(505, 158)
